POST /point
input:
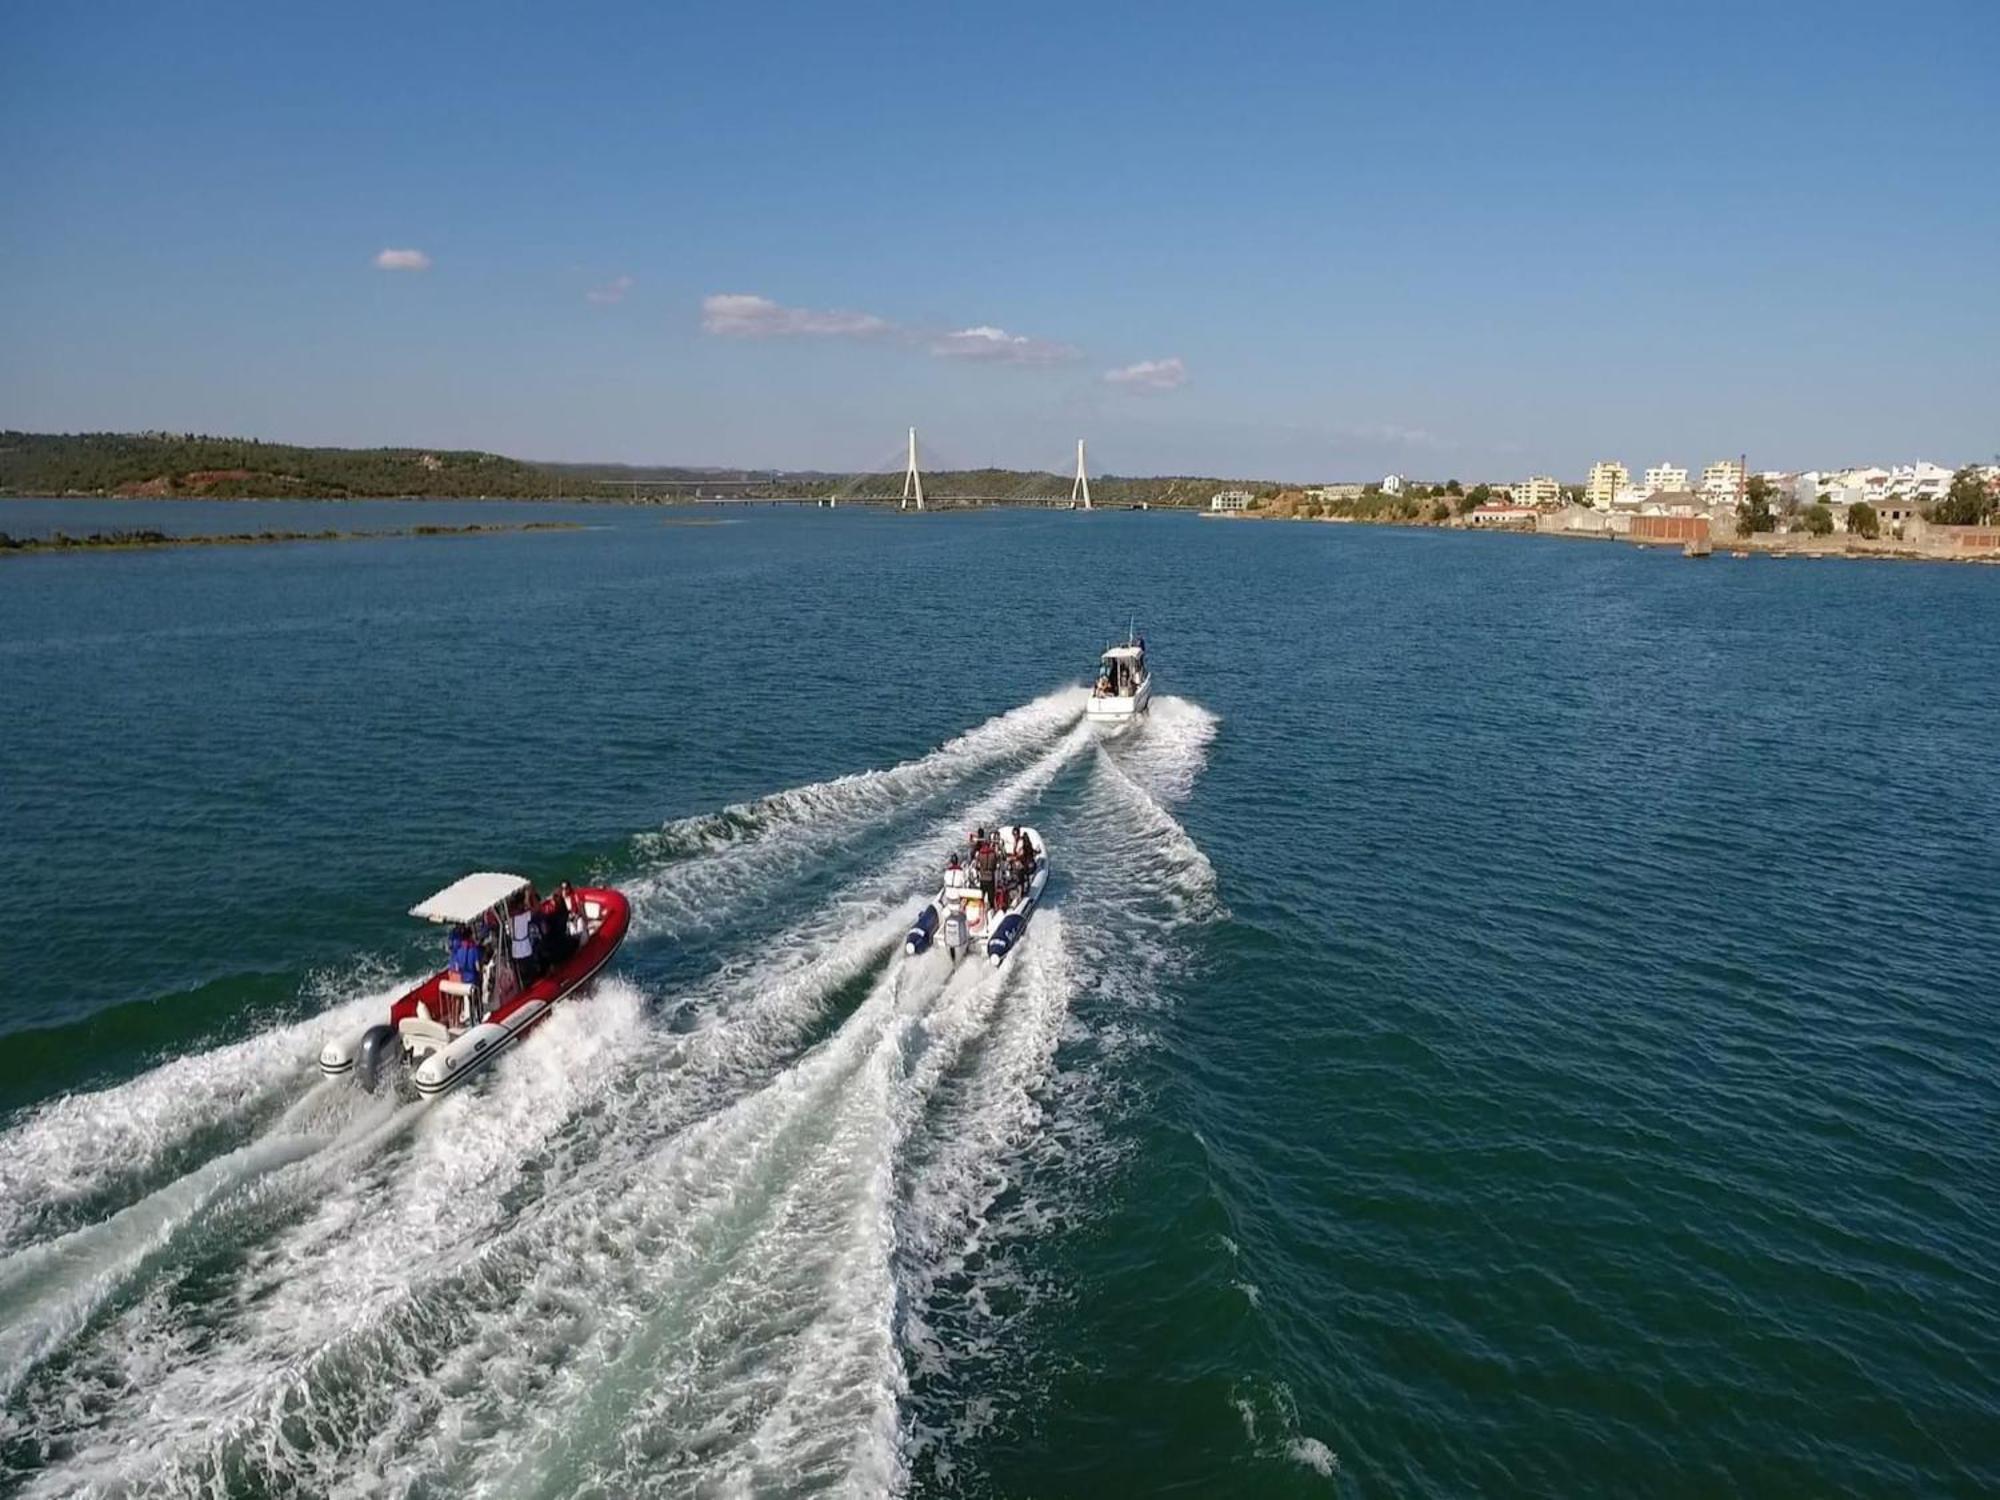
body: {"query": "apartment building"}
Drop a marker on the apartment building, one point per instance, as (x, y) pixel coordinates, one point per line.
(1723, 479)
(1607, 478)
(1540, 490)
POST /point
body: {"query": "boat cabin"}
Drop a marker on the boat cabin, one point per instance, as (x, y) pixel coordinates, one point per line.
(1120, 671)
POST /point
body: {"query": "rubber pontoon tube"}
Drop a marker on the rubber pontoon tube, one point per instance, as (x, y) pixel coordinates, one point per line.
(1005, 936)
(921, 930)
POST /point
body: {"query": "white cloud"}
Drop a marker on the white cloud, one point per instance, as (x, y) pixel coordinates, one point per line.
(1391, 435)
(402, 260)
(742, 316)
(998, 346)
(613, 290)
(1150, 375)
(746, 316)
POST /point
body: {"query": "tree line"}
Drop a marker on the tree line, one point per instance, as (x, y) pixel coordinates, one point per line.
(195, 464)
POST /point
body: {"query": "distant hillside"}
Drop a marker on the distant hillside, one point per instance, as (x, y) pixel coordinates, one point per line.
(188, 464)
(191, 465)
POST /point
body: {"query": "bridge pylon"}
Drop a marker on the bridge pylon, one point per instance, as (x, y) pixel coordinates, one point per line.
(913, 480)
(1080, 489)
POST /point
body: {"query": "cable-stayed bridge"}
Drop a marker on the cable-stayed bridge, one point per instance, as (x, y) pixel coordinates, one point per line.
(962, 488)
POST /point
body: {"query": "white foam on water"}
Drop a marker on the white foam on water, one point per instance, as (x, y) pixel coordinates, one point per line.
(867, 795)
(1270, 1417)
(971, 1155)
(439, 1319)
(1033, 1138)
(757, 1351)
(750, 847)
(722, 1256)
(1167, 752)
(76, 1147)
(413, 1195)
(49, 1291)
(1314, 1454)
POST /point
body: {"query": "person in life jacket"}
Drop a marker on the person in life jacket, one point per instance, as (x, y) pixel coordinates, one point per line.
(552, 941)
(954, 873)
(1024, 858)
(521, 938)
(579, 925)
(984, 857)
(465, 958)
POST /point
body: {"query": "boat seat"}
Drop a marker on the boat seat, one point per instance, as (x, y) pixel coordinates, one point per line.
(422, 1033)
(459, 990)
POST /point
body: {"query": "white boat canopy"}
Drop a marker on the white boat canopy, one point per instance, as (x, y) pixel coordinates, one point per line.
(468, 899)
(1124, 653)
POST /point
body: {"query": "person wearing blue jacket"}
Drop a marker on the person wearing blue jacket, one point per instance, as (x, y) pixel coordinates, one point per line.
(464, 956)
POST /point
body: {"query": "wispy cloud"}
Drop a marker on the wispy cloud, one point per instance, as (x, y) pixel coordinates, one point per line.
(1391, 435)
(613, 290)
(743, 316)
(998, 346)
(402, 260)
(1150, 375)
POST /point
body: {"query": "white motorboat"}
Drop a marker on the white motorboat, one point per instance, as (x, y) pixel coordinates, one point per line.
(1124, 684)
(987, 897)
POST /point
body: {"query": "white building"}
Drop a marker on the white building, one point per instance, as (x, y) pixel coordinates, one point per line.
(1501, 515)
(1664, 477)
(1540, 490)
(1230, 500)
(1326, 494)
(1607, 478)
(1925, 483)
(1676, 503)
(1723, 479)
(1392, 484)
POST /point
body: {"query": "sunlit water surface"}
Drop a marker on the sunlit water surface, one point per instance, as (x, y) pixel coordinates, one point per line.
(1518, 1020)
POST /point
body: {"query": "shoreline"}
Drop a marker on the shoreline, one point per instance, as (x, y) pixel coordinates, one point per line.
(156, 541)
(1763, 544)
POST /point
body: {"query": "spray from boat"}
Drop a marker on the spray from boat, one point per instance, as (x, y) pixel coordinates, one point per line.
(718, 1236)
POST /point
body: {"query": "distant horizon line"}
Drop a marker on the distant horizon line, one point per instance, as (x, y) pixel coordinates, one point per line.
(806, 472)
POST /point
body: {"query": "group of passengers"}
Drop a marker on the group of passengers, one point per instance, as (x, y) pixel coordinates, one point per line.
(541, 932)
(1120, 678)
(999, 871)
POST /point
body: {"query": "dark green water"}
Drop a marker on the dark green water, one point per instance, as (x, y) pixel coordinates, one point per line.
(1517, 1021)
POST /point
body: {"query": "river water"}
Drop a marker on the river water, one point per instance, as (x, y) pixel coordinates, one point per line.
(1516, 1021)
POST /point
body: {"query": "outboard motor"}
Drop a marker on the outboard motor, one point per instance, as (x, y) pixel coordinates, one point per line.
(956, 934)
(376, 1052)
(921, 931)
(1005, 936)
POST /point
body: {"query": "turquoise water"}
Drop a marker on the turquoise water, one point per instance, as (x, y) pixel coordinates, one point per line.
(1516, 1021)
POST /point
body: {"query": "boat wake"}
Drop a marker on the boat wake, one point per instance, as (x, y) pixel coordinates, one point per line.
(755, 1232)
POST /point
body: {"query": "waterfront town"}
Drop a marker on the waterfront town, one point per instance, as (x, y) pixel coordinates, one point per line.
(1909, 510)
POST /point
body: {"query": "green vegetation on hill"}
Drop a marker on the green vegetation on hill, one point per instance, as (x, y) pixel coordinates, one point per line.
(192, 465)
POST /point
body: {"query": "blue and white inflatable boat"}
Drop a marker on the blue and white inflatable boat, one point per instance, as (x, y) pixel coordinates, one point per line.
(984, 902)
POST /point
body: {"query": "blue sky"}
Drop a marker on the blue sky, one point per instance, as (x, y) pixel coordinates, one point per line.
(1313, 241)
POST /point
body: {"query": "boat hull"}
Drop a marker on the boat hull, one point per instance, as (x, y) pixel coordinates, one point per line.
(1121, 710)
